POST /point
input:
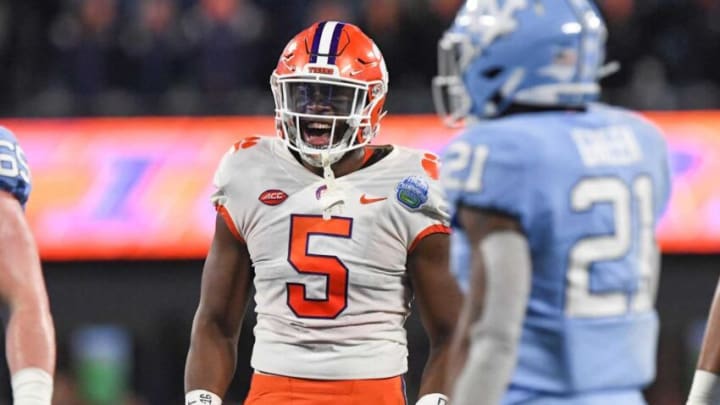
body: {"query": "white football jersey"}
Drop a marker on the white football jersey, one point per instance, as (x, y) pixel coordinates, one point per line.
(332, 294)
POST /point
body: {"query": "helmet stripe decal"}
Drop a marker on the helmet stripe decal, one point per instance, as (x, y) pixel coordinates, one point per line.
(334, 42)
(325, 41)
(316, 42)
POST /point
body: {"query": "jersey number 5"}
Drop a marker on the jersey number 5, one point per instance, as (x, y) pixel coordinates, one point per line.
(302, 227)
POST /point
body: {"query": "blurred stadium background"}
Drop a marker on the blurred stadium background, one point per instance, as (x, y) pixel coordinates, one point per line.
(120, 204)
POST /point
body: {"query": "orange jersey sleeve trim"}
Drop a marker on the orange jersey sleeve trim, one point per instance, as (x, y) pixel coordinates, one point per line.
(432, 229)
(229, 222)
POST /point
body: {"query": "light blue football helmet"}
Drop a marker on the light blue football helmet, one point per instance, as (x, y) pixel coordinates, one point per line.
(530, 52)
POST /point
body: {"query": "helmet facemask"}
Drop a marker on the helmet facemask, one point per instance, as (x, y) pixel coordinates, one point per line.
(323, 118)
(451, 98)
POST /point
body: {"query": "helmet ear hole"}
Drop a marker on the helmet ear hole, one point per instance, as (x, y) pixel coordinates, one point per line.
(375, 91)
(492, 72)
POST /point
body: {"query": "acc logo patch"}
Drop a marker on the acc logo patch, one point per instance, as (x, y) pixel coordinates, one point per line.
(412, 192)
(273, 197)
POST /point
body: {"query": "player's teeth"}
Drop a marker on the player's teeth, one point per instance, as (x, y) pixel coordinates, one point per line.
(318, 125)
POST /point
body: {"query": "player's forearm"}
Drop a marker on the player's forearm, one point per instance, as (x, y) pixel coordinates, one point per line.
(709, 361)
(432, 387)
(30, 348)
(710, 353)
(433, 378)
(30, 335)
(458, 352)
(495, 336)
(30, 341)
(211, 359)
(487, 372)
(705, 387)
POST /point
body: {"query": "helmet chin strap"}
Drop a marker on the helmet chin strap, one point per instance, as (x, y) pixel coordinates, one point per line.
(333, 196)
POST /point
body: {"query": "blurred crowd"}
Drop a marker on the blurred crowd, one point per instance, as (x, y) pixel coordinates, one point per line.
(129, 57)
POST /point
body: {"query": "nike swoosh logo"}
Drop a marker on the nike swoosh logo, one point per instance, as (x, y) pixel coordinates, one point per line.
(366, 200)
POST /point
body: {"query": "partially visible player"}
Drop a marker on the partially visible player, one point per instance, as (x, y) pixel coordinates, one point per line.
(29, 332)
(705, 388)
(554, 202)
(337, 237)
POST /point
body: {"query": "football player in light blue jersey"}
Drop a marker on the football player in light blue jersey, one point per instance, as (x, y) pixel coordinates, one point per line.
(555, 199)
(29, 331)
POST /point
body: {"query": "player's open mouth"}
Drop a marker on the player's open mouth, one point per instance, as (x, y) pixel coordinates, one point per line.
(317, 133)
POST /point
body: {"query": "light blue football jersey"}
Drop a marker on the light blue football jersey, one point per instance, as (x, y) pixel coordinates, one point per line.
(14, 171)
(588, 189)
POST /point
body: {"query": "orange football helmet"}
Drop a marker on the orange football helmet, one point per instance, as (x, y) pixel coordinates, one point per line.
(329, 88)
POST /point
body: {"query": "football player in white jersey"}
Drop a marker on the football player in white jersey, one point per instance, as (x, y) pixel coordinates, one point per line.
(336, 236)
(29, 331)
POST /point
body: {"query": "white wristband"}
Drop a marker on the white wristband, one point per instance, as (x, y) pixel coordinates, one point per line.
(433, 399)
(202, 397)
(32, 386)
(705, 389)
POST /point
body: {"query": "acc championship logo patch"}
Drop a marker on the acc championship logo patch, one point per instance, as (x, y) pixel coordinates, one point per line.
(412, 192)
(273, 197)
